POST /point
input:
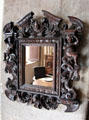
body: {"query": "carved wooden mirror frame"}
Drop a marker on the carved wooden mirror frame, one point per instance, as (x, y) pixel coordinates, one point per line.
(56, 64)
(48, 29)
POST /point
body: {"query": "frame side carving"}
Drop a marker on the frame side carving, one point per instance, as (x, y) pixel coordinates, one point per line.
(49, 26)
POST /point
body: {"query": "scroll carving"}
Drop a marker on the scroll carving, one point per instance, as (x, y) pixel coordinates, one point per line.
(49, 26)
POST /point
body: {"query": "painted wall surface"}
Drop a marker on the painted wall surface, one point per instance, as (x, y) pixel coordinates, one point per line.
(13, 11)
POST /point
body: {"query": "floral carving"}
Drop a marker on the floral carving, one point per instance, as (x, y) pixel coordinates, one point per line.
(49, 26)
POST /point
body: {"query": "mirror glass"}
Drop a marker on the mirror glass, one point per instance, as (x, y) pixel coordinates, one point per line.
(39, 65)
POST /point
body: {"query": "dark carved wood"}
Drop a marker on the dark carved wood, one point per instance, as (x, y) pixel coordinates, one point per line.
(49, 27)
(57, 50)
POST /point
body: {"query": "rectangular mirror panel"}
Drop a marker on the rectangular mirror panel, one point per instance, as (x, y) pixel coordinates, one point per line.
(39, 65)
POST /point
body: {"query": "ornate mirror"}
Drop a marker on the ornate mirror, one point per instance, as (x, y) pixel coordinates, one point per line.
(42, 58)
(38, 65)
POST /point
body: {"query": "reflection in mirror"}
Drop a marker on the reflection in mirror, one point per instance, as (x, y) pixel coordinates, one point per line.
(39, 65)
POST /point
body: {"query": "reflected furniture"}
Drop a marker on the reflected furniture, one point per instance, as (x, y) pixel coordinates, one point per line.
(44, 82)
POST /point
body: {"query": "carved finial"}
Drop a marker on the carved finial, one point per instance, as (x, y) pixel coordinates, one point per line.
(52, 17)
(76, 21)
(25, 19)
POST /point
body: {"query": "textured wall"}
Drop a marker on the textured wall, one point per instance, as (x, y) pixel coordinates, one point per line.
(13, 11)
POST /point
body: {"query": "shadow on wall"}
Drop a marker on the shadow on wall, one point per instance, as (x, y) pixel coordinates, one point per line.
(87, 112)
(84, 65)
(83, 59)
(82, 45)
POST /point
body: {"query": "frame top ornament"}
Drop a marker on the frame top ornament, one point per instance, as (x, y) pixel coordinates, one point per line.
(49, 27)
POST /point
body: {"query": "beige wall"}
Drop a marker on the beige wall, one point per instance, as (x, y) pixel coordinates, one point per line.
(13, 11)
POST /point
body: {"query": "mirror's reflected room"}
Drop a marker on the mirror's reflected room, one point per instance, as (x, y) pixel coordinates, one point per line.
(39, 65)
